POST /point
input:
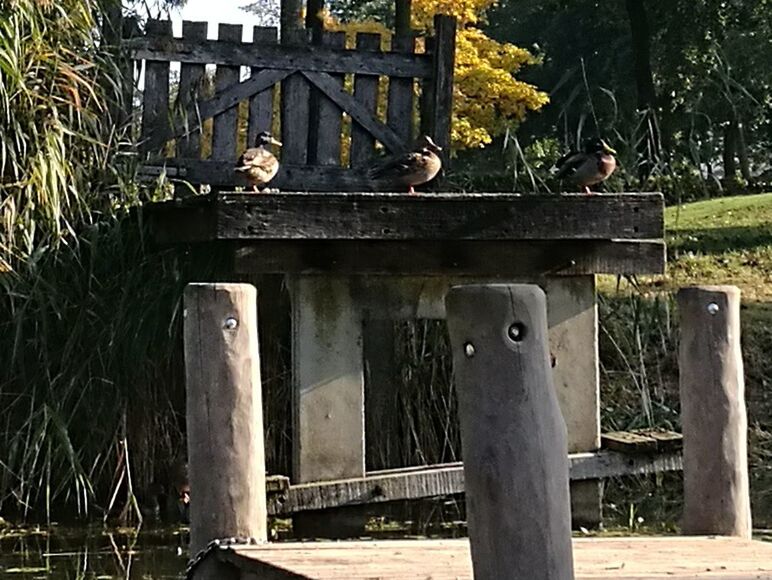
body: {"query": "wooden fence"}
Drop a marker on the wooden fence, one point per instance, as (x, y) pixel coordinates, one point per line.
(294, 88)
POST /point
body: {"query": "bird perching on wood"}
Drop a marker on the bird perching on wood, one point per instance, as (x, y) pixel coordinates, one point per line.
(589, 167)
(257, 163)
(415, 167)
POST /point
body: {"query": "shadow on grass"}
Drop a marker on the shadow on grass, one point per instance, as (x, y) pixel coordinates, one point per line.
(720, 240)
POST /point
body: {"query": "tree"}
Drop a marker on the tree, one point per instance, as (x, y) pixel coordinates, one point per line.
(489, 98)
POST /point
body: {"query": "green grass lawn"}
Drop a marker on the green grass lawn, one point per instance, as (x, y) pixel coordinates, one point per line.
(722, 241)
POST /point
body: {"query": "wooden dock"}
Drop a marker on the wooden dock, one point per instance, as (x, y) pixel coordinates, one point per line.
(675, 558)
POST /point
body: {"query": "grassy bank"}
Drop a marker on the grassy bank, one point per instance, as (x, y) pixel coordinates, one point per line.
(719, 241)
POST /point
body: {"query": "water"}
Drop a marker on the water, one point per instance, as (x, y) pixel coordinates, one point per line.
(93, 553)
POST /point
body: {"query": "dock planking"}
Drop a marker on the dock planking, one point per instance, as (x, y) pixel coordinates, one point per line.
(676, 558)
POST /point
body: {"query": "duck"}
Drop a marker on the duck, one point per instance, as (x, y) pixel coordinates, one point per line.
(258, 164)
(593, 165)
(417, 166)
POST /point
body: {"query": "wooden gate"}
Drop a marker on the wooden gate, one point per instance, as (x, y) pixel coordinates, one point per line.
(194, 129)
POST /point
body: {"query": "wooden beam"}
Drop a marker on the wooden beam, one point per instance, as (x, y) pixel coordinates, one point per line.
(461, 216)
(308, 58)
(497, 259)
(291, 177)
(448, 479)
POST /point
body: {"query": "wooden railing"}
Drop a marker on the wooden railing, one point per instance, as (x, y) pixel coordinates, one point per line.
(194, 131)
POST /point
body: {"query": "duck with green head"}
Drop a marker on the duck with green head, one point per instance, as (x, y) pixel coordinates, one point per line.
(593, 165)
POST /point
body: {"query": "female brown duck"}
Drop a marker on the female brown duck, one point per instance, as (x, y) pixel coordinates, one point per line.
(416, 167)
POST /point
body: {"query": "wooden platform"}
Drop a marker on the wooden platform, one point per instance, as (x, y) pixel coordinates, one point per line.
(482, 234)
(676, 558)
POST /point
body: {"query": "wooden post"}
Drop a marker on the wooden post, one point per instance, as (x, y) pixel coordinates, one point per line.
(512, 433)
(226, 453)
(441, 105)
(716, 495)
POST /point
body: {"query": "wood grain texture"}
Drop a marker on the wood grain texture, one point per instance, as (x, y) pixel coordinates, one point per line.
(226, 100)
(224, 413)
(295, 57)
(366, 96)
(399, 113)
(442, 83)
(713, 414)
(224, 137)
(291, 177)
(191, 75)
(325, 134)
(370, 127)
(294, 108)
(513, 436)
(500, 260)
(439, 216)
(261, 104)
(155, 98)
(448, 479)
(641, 558)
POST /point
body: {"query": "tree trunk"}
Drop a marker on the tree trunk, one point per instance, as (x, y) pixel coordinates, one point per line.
(730, 147)
(402, 17)
(641, 44)
(742, 153)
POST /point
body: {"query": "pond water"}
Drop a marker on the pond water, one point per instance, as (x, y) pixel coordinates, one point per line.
(93, 553)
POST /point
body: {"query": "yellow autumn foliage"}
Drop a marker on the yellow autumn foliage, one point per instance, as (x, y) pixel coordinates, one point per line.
(488, 97)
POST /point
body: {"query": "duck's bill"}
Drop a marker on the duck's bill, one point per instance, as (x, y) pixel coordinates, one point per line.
(275, 142)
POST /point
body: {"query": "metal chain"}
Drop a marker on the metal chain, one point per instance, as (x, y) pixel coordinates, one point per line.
(196, 560)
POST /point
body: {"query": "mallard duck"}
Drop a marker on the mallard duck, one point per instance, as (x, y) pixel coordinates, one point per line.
(588, 167)
(258, 163)
(415, 167)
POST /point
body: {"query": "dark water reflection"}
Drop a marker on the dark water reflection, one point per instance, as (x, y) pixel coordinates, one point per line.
(93, 553)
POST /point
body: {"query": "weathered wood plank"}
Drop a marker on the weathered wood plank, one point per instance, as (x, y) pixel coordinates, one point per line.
(224, 412)
(448, 479)
(439, 216)
(400, 106)
(513, 435)
(295, 94)
(713, 414)
(362, 112)
(155, 98)
(639, 558)
(366, 97)
(647, 441)
(442, 83)
(191, 75)
(261, 104)
(224, 134)
(227, 99)
(324, 139)
(316, 58)
(291, 177)
(474, 258)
